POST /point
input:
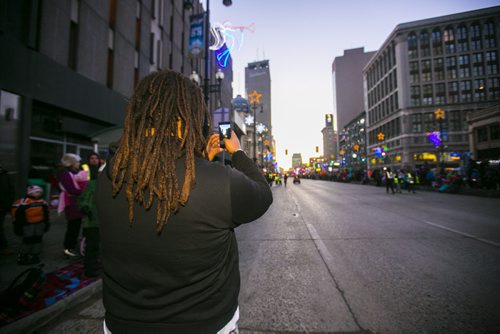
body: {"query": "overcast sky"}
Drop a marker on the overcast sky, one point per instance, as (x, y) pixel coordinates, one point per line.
(301, 38)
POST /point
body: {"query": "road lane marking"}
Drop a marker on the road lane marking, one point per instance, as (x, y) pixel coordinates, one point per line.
(463, 234)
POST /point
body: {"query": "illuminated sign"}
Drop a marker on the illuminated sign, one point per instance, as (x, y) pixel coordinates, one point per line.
(329, 120)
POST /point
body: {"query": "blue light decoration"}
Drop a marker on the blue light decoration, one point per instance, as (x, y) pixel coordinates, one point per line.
(226, 36)
(434, 138)
(377, 151)
(222, 56)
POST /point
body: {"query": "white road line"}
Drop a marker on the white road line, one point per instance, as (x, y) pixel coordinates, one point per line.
(462, 233)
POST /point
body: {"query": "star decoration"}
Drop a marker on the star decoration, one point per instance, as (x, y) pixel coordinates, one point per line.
(439, 113)
(249, 120)
(260, 128)
(254, 97)
(380, 136)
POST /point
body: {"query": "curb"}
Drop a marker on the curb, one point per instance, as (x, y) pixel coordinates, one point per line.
(41, 318)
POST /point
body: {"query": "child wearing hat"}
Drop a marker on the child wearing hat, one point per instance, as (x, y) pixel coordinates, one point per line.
(31, 221)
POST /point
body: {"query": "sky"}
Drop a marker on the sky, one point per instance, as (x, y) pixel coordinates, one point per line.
(301, 38)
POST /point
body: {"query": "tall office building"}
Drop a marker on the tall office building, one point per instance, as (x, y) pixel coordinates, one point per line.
(425, 79)
(258, 79)
(68, 67)
(347, 78)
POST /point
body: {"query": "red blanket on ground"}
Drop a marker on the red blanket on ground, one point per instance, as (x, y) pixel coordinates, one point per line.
(58, 285)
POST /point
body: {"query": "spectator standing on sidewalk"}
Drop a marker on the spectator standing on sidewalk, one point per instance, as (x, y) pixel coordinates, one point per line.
(90, 228)
(410, 178)
(31, 221)
(92, 166)
(7, 197)
(72, 182)
(90, 223)
(168, 214)
(389, 180)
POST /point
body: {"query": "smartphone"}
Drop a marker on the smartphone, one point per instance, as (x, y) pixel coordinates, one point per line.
(224, 132)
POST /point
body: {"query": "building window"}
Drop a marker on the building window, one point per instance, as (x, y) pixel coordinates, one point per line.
(495, 131)
(479, 90)
(453, 92)
(73, 35)
(451, 67)
(462, 39)
(416, 123)
(493, 88)
(491, 62)
(449, 40)
(437, 42)
(429, 122)
(438, 69)
(425, 50)
(482, 134)
(426, 71)
(159, 50)
(454, 120)
(414, 69)
(440, 93)
(466, 91)
(152, 45)
(415, 96)
(427, 95)
(412, 46)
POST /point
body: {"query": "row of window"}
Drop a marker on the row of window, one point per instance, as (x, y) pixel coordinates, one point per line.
(455, 92)
(381, 66)
(463, 66)
(389, 130)
(455, 121)
(419, 140)
(384, 109)
(382, 89)
(460, 39)
(488, 133)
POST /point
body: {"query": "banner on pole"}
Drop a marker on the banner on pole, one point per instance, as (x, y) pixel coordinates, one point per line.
(196, 35)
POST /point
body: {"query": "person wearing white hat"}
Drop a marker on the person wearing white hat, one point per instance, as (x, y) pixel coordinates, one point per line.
(31, 221)
(71, 188)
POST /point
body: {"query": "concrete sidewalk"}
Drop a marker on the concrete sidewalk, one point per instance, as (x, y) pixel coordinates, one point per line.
(53, 259)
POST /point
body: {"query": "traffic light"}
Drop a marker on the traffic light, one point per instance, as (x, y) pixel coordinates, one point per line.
(286, 152)
(317, 149)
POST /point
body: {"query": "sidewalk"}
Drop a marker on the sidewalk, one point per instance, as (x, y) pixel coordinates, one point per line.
(53, 259)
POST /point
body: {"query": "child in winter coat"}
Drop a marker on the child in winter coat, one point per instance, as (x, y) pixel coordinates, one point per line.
(31, 221)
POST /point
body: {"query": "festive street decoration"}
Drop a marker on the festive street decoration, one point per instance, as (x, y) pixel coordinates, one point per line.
(254, 97)
(249, 120)
(227, 38)
(439, 113)
(380, 136)
(260, 128)
(435, 138)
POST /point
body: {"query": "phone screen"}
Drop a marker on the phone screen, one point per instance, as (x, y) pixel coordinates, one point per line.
(224, 132)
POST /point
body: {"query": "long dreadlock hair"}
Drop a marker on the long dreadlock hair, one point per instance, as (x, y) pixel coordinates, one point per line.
(146, 158)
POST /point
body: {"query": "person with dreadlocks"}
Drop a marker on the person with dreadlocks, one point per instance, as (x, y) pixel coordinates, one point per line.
(167, 215)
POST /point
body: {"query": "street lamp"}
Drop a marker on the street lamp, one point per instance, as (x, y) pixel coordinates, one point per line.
(255, 102)
(207, 89)
(440, 117)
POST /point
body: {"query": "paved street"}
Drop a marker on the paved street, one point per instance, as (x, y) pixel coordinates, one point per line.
(334, 257)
